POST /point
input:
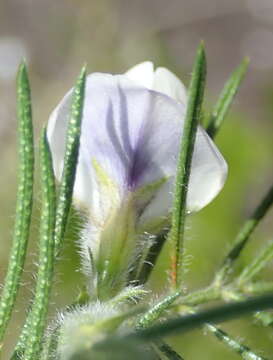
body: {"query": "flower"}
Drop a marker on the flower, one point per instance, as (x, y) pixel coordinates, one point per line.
(131, 131)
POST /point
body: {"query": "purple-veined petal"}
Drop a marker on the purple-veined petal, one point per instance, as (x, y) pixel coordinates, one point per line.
(133, 134)
(207, 178)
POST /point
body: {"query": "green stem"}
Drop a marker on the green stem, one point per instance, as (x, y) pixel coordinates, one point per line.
(189, 322)
(195, 299)
(39, 308)
(201, 296)
(196, 92)
(24, 200)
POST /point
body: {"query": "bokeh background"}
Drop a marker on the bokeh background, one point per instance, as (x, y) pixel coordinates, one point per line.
(57, 37)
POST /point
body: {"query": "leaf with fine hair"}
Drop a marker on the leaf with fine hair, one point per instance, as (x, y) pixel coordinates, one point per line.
(196, 92)
(226, 98)
(39, 308)
(64, 198)
(243, 236)
(156, 311)
(73, 134)
(24, 200)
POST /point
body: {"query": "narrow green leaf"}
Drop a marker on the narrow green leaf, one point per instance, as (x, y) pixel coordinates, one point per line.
(24, 200)
(251, 270)
(46, 256)
(70, 161)
(226, 98)
(193, 299)
(196, 92)
(244, 351)
(189, 322)
(130, 294)
(64, 198)
(244, 235)
(156, 311)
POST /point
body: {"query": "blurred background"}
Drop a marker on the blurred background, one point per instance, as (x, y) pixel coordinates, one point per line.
(57, 37)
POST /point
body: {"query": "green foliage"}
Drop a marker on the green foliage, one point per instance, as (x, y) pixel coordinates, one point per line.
(196, 93)
(216, 314)
(24, 200)
(39, 309)
(64, 199)
(130, 320)
(244, 351)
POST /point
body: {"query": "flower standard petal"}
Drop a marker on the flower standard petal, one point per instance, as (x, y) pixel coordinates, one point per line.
(161, 80)
(130, 141)
(167, 83)
(142, 74)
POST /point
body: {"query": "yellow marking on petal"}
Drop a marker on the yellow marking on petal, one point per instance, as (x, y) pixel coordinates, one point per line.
(102, 175)
(109, 191)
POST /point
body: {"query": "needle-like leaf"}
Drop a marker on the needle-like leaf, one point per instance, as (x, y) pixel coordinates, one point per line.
(242, 350)
(226, 98)
(196, 92)
(24, 200)
(64, 199)
(46, 255)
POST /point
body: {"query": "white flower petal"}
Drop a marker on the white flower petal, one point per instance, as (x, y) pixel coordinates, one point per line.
(168, 83)
(208, 174)
(142, 74)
